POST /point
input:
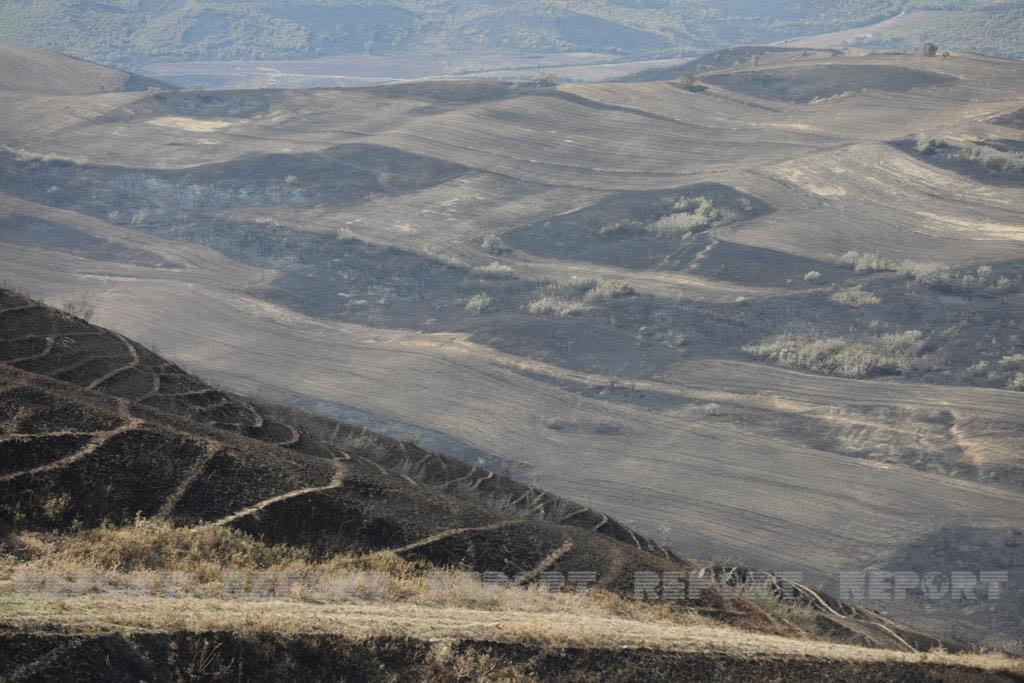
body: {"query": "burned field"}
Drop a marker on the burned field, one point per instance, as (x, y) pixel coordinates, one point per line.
(752, 283)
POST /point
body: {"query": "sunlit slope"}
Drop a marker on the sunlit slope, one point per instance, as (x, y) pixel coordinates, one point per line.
(38, 72)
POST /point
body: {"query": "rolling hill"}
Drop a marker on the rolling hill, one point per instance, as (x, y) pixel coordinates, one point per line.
(763, 311)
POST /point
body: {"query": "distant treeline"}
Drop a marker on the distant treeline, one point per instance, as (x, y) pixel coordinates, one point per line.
(132, 32)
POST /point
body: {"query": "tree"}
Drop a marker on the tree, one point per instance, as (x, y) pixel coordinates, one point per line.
(929, 49)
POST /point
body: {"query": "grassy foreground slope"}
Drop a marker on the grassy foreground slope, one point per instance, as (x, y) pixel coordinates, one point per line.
(118, 466)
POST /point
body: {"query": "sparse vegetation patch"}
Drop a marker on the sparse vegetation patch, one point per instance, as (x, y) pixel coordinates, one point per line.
(494, 269)
(578, 295)
(1000, 161)
(974, 152)
(855, 297)
(885, 354)
(982, 280)
(688, 215)
(479, 303)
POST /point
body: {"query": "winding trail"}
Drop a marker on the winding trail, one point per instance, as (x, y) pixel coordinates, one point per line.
(448, 533)
(336, 482)
(131, 365)
(47, 348)
(100, 439)
(549, 561)
(194, 471)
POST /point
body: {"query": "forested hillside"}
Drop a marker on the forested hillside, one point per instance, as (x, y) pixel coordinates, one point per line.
(132, 32)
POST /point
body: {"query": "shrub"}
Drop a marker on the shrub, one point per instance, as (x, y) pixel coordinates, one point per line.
(140, 216)
(494, 269)
(975, 153)
(493, 244)
(577, 295)
(906, 344)
(926, 145)
(864, 263)
(1014, 362)
(364, 443)
(55, 507)
(890, 353)
(560, 307)
(79, 308)
(689, 215)
(979, 368)
(1017, 383)
(935, 275)
(608, 289)
(855, 297)
(480, 303)
(990, 157)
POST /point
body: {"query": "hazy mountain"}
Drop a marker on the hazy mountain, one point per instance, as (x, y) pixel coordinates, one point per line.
(131, 32)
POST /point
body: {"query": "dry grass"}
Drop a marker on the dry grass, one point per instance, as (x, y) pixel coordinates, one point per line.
(355, 596)
(206, 551)
(103, 613)
(210, 562)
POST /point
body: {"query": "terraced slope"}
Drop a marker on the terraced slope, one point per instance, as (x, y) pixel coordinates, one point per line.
(143, 437)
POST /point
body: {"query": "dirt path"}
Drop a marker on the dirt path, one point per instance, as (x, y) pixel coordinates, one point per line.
(336, 482)
(99, 439)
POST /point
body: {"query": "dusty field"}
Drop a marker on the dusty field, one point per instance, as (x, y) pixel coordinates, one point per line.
(361, 70)
(610, 406)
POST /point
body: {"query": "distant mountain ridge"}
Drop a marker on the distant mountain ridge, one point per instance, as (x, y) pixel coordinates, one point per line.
(129, 34)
